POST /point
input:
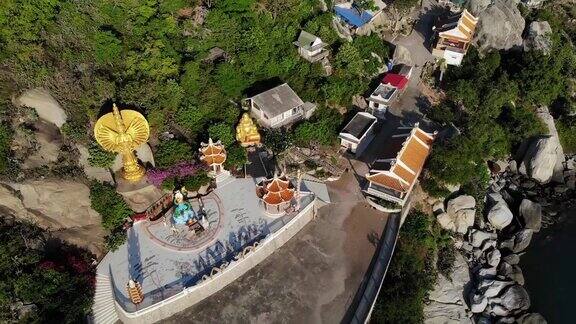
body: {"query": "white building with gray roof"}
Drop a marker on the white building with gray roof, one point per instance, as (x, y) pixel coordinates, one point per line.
(279, 106)
(311, 47)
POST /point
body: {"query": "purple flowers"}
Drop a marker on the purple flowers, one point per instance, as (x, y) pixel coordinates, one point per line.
(180, 170)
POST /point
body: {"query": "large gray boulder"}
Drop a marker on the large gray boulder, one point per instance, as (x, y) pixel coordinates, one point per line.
(459, 203)
(56, 205)
(515, 299)
(538, 37)
(531, 213)
(45, 105)
(544, 158)
(478, 238)
(500, 215)
(500, 25)
(540, 159)
(459, 215)
(532, 318)
(519, 242)
(446, 302)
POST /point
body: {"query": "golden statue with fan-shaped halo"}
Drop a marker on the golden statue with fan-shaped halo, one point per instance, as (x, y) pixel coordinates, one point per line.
(122, 132)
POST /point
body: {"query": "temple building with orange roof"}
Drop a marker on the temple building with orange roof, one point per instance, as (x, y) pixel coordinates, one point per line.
(453, 35)
(393, 178)
(276, 194)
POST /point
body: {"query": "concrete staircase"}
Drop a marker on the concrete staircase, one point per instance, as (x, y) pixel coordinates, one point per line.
(103, 310)
(223, 178)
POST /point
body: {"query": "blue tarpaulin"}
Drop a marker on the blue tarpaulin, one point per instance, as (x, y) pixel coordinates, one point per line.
(354, 16)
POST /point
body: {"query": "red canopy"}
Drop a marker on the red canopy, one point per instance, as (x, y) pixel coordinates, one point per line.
(395, 80)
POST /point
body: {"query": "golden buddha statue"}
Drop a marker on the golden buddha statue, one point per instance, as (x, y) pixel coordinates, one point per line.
(122, 132)
(247, 132)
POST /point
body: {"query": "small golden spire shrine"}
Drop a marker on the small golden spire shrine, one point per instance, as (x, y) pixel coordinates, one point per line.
(214, 155)
(135, 292)
(247, 132)
(122, 132)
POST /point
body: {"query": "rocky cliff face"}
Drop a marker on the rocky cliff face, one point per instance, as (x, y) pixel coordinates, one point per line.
(62, 207)
(500, 24)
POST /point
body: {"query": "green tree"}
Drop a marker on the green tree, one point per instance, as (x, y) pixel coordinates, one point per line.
(170, 152)
(222, 132)
(109, 204)
(99, 157)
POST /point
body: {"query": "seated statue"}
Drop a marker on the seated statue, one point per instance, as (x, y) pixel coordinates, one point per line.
(247, 132)
(183, 212)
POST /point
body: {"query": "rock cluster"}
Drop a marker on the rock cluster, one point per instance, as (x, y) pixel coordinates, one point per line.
(459, 216)
(538, 37)
(542, 158)
(500, 24)
(516, 206)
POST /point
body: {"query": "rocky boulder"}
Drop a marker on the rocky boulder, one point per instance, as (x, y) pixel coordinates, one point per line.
(543, 159)
(514, 300)
(519, 242)
(446, 301)
(538, 37)
(531, 318)
(459, 203)
(540, 159)
(56, 205)
(500, 215)
(531, 213)
(459, 215)
(48, 142)
(479, 238)
(45, 105)
(500, 25)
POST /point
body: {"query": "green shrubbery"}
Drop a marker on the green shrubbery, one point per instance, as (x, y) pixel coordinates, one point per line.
(170, 152)
(114, 211)
(56, 279)
(100, 158)
(412, 272)
(566, 127)
(194, 182)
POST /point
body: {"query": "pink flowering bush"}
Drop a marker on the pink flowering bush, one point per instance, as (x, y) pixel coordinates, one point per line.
(180, 170)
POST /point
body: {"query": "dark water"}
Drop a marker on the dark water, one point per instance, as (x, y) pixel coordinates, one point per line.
(549, 268)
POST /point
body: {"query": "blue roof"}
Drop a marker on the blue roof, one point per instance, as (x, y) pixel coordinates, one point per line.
(353, 16)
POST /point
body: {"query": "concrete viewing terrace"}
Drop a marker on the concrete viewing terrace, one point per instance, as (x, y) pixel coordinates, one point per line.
(166, 262)
(314, 278)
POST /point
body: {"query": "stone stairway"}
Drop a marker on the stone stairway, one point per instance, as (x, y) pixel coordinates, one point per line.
(103, 310)
(223, 178)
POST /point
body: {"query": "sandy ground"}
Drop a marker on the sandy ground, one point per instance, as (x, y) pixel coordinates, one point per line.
(311, 279)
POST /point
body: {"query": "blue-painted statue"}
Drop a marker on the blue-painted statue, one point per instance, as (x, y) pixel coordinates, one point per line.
(183, 212)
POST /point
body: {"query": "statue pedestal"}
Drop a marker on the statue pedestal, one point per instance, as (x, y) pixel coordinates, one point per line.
(140, 194)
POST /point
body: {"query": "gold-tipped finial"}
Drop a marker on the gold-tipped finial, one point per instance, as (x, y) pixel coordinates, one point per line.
(122, 132)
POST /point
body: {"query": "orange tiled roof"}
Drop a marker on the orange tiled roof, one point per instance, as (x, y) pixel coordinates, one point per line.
(409, 163)
(213, 153)
(387, 181)
(275, 191)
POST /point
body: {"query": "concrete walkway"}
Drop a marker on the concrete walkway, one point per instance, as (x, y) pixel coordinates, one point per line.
(311, 279)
